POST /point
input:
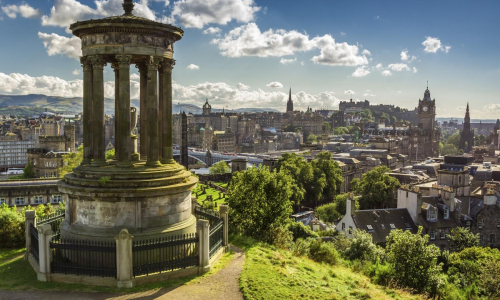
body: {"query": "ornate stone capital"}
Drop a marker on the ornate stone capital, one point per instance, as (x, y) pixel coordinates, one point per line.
(115, 66)
(141, 67)
(86, 63)
(167, 65)
(98, 61)
(153, 62)
(123, 60)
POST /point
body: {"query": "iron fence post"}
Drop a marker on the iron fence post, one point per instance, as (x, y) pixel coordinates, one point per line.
(203, 227)
(30, 216)
(124, 266)
(223, 210)
(44, 238)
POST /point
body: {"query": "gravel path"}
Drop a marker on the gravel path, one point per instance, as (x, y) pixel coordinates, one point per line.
(221, 286)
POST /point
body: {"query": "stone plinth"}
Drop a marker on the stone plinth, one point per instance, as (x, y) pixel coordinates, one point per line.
(148, 201)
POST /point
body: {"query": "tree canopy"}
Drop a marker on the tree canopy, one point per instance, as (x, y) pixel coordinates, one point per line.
(300, 171)
(71, 161)
(376, 188)
(312, 139)
(461, 238)
(219, 168)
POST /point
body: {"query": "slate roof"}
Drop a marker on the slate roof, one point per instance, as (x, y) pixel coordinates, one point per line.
(441, 222)
(380, 221)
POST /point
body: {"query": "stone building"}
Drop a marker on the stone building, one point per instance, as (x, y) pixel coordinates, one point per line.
(224, 141)
(13, 151)
(30, 192)
(467, 134)
(487, 219)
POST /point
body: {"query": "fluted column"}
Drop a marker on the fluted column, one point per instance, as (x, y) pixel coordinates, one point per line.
(123, 135)
(117, 111)
(160, 110)
(152, 109)
(143, 124)
(98, 63)
(166, 113)
(87, 111)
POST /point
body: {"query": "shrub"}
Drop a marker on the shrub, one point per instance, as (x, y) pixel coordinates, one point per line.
(301, 247)
(323, 252)
(361, 246)
(12, 233)
(279, 236)
(299, 230)
(381, 273)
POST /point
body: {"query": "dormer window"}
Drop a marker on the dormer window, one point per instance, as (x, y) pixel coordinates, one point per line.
(370, 228)
(480, 223)
(431, 215)
(446, 213)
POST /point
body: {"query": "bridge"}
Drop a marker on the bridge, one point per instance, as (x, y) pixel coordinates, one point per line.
(216, 157)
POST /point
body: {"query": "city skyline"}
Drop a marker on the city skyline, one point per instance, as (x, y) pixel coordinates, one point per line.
(250, 53)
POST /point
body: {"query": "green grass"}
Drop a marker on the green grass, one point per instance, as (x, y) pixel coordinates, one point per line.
(210, 191)
(17, 274)
(275, 274)
(221, 184)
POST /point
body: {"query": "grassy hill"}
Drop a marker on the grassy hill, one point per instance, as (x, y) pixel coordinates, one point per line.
(276, 274)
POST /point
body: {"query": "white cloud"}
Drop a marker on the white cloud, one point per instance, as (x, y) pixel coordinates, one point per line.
(167, 2)
(135, 76)
(369, 95)
(404, 55)
(399, 67)
(366, 52)
(342, 33)
(288, 61)
(433, 45)
(361, 72)
(76, 72)
(386, 73)
(242, 86)
(193, 67)
(24, 10)
(275, 84)
(379, 66)
(56, 44)
(212, 30)
(349, 92)
(248, 40)
(22, 84)
(198, 13)
(415, 70)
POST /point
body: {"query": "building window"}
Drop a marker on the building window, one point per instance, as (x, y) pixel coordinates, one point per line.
(38, 200)
(431, 215)
(56, 199)
(2, 201)
(492, 239)
(393, 227)
(407, 226)
(446, 213)
(19, 201)
(343, 226)
(370, 228)
(498, 223)
(433, 234)
(467, 225)
(442, 234)
(480, 223)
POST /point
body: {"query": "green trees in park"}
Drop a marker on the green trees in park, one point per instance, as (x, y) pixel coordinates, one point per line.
(301, 171)
(461, 238)
(327, 170)
(334, 211)
(340, 130)
(326, 127)
(413, 261)
(312, 139)
(376, 188)
(448, 149)
(260, 202)
(219, 168)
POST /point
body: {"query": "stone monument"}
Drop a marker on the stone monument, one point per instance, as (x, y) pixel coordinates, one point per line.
(147, 193)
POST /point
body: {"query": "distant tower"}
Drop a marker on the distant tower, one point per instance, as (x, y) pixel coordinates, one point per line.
(467, 134)
(427, 112)
(289, 104)
(207, 108)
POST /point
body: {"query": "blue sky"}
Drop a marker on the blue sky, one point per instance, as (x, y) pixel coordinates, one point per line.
(244, 53)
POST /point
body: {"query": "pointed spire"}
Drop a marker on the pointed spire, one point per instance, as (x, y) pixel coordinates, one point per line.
(290, 94)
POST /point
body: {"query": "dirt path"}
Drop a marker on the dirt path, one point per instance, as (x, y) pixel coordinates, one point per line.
(223, 285)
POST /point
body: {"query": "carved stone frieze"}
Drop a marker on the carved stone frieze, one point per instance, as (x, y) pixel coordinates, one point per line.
(127, 38)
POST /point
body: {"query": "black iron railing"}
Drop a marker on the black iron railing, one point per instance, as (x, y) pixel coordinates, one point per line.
(81, 257)
(165, 254)
(216, 236)
(212, 216)
(34, 242)
(55, 219)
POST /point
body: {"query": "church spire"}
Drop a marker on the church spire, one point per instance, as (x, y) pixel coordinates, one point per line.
(289, 104)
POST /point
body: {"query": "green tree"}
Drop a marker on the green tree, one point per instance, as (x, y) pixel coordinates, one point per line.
(376, 188)
(328, 212)
(448, 149)
(312, 139)
(413, 260)
(361, 246)
(219, 168)
(340, 130)
(461, 238)
(289, 128)
(260, 201)
(326, 127)
(341, 201)
(28, 171)
(327, 170)
(71, 161)
(454, 139)
(110, 154)
(301, 172)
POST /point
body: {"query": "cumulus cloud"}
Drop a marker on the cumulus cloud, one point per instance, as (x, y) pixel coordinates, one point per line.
(76, 72)
(361, 72)
(415, 70)
(25, 10)
(56, 44)
(212, 30)
(135, 76)
(407, 57)
(22, 84)
(399, 67)
(349, 92)
(386, 73)
(248, 40)
(275, 84)
(366, 52)
(288, 61)
(242, 86)
(433, 45)
(379, 66)
(193, 67)
(198, 13)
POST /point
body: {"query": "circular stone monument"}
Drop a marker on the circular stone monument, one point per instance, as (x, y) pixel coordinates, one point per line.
(147, 193)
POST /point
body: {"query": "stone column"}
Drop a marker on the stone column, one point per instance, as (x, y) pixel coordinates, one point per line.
(143, 124)
(44, 253)
(30, 218)
(124, 266)
(167, 125)
(224, 210)
(87, 110)
(160, 111)
(152, 111)
(116, 69)
(98, 63)
(123, 134)
(203, 228)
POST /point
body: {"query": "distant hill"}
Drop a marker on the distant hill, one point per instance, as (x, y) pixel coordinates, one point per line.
(34, 104)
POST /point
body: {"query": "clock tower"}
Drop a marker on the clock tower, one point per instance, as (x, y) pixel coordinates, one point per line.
(427, 112)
